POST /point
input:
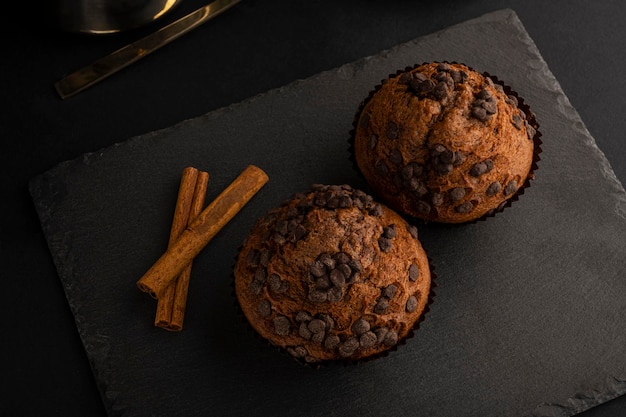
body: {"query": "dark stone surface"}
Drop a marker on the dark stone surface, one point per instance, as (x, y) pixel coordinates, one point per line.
(529, 305)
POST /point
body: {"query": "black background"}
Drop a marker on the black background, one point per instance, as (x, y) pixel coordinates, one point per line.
(257, 46)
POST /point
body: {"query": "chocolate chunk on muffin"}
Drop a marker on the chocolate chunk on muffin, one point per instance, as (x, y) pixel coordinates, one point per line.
(332, 275)
(442, 142)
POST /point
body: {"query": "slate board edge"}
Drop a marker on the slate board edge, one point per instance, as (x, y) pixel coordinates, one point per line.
(611, 388)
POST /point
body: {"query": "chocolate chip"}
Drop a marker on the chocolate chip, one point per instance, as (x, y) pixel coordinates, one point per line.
(360, 326)
(414, 184)
(411, 304)
(441, 90)
(381, 306)
(256, 287)
(355, 265)
(437, 199)
(328, 320)
(414, 272)
(322, 283)
(345, 269)
(260, 275)
(332, 202)
(444, 77)
(376, 210)
(485, 105)
(303, 316)
(490, 106)
(281, 325)
(422, 87)
(318, 338)
(341, 257)
(405, 78)
(283, 288)
(348, 347)
(264, 308)
(392, 130)
(443, 66)
(480, 113)
(381, 168)
(320, 200)
(407, 172)
(510, 188)
(443, 169)
(395, 156)
(345, 201)
(299, 232)
(276, 284)
(298, 351)
(459, 158)
(338, 278)
(317, 296)
(317, 269)
(457, 193)
(465, 207)
(438, 149)
(412, 231)
(373, 141)
(483, 95)
(317, 325)
(423, 207)
(390, 291)
(367, 340)
(493, 189)
(327, 260)
(459, 76)
(512, 100)
(281, 227)
(391, 338)
(331, 341)
(447, 156)
(334, 294)
(390, 231)
(481, 168)
(380, 333)
(517, 121)
(442, 159)
(385, 244)
(419, 76)
(417, 169)
(304, 331)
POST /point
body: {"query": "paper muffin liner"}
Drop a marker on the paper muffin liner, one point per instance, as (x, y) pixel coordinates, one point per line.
(530, 118)
(333, 362)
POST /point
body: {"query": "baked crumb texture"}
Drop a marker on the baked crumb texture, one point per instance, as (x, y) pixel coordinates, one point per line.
(442, 142)
(332, 275)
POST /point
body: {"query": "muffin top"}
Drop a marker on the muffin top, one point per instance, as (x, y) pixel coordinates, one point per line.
(332, 275)
(444, 143)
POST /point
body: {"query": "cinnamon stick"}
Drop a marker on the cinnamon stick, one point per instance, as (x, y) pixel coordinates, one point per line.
(183, 203)
(200, 232)
(173, 303)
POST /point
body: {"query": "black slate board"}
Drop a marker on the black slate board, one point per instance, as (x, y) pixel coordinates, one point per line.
(530, 306)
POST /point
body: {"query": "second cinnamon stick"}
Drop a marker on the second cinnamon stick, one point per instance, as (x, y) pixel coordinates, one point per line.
(172, 304)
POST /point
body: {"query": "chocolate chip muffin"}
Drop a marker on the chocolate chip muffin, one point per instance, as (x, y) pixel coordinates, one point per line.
(332, 275)
(442, 142)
